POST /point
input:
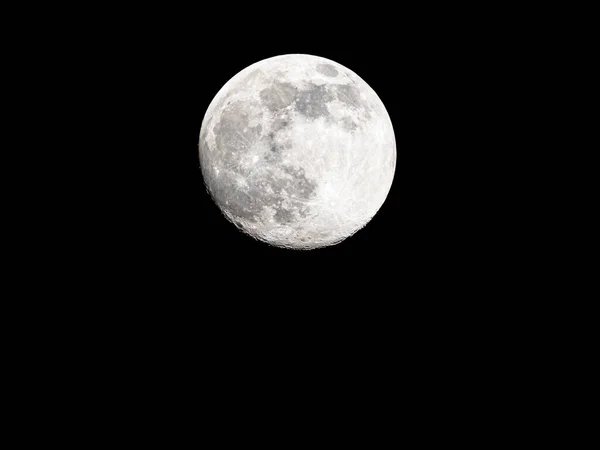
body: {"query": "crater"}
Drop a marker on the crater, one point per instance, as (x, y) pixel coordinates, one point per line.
(327, 70)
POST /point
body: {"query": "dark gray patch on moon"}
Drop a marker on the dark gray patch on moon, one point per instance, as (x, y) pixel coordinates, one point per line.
(273, 157)
(327, 70)
(245, 190)
(279, 124)
(350, 95)
(274, 145)
(269, 186)
(283, 216)
(301, 187)
(278, 96)
(273, 139)
(233, 132)
(235, 199)
(297, 189)
(312, 102)
(269, 190)
(349, 124)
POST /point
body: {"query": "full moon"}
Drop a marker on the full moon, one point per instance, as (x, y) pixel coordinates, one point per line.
(297, 151)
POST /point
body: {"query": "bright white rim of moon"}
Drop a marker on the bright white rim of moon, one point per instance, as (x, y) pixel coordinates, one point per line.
(297, 151)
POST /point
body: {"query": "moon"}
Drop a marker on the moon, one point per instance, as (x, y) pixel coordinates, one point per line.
(297, 151)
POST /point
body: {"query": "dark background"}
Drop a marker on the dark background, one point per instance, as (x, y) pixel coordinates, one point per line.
(169, 292)
(165, 285)
(170, 229)
(168, 267)
(190, 228)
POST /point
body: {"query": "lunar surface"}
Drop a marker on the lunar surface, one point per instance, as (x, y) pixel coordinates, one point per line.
(297, 151)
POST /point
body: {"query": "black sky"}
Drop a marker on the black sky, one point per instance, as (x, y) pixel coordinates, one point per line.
(171, 227)
(162, 274)
(195, 224)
